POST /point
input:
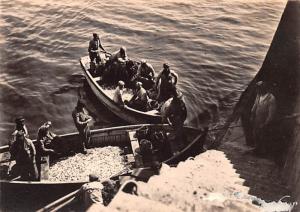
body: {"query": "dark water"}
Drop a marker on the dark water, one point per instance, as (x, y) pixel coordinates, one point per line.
(216, 47)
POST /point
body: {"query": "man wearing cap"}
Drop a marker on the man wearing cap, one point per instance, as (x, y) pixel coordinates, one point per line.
(164, 83)
(23, 151)
(90, 193)
(94, 47)
(81, 120)
(47, 140)
(139, 101)
(262, 114)
(118, 94)
(20, 126)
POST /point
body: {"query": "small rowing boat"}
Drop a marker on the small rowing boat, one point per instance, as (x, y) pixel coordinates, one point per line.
(105, 96)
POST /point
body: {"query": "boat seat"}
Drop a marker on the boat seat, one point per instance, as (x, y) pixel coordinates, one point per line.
(153, 112)
(44, 174)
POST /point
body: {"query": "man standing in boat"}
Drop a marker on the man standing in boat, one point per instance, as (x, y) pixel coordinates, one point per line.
(23, 151)
(81, 120)
(20, 127)
(174, 112)
(164, 83)
(94, 48)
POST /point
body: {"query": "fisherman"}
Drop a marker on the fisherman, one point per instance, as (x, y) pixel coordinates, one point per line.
(81, 120)
(20, 126)
(94, 48)
(23, 151)
(47, 141)
(90, 193)
(139, 101)
(118, 94)
(262, 115)
(167, 79)
(175, 113)
(145, 74)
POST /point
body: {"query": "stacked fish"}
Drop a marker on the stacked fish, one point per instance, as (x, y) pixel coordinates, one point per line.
(103, 162)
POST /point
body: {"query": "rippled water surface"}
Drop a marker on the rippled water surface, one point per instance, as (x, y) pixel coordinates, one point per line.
(216, 47)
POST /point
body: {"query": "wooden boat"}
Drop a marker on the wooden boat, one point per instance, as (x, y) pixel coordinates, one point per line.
(105, 96)
(33, 195)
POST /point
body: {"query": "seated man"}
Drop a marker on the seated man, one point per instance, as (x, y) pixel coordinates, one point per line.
(23, 151)
(118, 94)
(146, 74)
(139, 101)
(90, 193)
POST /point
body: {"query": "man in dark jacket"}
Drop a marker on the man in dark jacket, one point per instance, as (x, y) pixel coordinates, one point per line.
(81, 120)
(23, 151)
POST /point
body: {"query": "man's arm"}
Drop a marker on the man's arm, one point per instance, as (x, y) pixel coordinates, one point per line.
(100, 45)
(43, 148)
(175, 77)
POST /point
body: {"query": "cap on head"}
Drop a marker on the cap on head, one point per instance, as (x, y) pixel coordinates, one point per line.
(166, 66)
(19, 120)
(259, 83)
(139, 84)
(121, 83)
(93, 177)
(123, 49)
(49, 123)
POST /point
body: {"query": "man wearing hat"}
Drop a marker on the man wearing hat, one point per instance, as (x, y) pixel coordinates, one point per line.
(94, 47)
(81, 120)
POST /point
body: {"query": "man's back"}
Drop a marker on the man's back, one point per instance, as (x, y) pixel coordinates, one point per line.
(90, 193)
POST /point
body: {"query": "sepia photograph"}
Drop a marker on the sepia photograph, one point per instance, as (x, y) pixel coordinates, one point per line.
(150, 106)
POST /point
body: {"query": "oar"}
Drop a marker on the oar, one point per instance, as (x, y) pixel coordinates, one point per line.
(60, 203)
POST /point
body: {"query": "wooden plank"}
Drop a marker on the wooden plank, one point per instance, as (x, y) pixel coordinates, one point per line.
(44, 175)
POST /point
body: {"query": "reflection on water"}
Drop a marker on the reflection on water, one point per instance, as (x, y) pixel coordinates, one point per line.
(215, 47)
